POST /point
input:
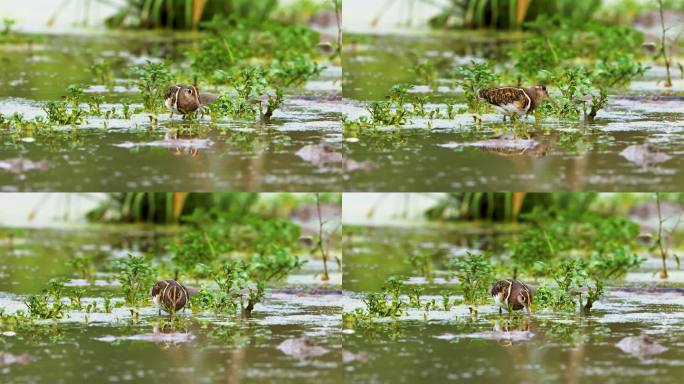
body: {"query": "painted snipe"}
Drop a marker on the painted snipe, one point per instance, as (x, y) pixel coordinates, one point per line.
(512, 295)
(184, 99)
(169, 295)
(515, 100)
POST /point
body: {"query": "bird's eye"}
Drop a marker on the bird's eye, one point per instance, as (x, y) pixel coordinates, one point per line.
(190, 91)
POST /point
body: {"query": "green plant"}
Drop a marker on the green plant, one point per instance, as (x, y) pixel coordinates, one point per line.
(391, 111)
(571, 277)
(83, 264)
(472, 78)
(48, 304)
(153, 79)
(421, 262)
(663, 48)
(107, 304)
(67, 111)
(7, 26)
(102, 72)
(474, 273)
(135, 275)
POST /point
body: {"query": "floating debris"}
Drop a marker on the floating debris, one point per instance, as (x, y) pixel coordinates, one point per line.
(301, 348)
(19, 165)
(7, 358)
(505, 147)
(156, 337)
(169, 143)
(348, 357)
(640, 346)
(501, 335)
(320, 154)
(644, 154)
(351, 165)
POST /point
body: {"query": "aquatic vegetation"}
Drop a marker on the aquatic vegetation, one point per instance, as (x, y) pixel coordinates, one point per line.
(571, 276)
(102, 72)
(556, 43)
(292, 73)
(391, 111)
(607, 241)
(48, 304)
(186, 14)
(378, 305)
(426, 72)
(136, 275)
(667, 59)
(660, 241)
(421, 263)
(474, 273)
(7, 25)
(324, 239)
(83, 265)
(472, 78)
(67, 111)
(153, 79)
(242, 283)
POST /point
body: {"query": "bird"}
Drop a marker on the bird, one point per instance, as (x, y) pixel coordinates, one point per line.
(512, 295)
(169, 295)
(184, 99)
(515, 100)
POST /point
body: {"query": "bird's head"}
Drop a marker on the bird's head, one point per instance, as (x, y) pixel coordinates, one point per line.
(188, 98)
(541, 91)
(543, 94)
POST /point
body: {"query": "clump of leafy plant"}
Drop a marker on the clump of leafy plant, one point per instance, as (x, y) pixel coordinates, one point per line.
(153, 79)
(607, 242)
(426, 72)
(251, 86)
(48, 304)
(421, 262)
(387, 302)
(103, 73)
(242, 283)
(392, 110)
(67, 111)
(136, 275)
(7, 25)
(292, 73)
(474, 273)
(572, 278)
(83, 265)
(472, 78)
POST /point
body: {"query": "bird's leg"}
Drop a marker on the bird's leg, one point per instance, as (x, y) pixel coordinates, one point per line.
(500, 311)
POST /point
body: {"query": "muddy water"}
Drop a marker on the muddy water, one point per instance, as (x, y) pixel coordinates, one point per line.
(196, 347)
(459, 346)
(549, 155)
(139, 153)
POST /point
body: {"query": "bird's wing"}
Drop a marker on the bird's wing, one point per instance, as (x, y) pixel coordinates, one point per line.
(173, 89)
(506, 96)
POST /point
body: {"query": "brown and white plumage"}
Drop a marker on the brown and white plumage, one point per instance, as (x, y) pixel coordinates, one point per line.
(515, 100)
(512, 295)
(169, 295)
